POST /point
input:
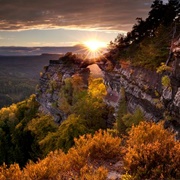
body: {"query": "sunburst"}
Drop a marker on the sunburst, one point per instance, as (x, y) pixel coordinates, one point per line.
(94, 47)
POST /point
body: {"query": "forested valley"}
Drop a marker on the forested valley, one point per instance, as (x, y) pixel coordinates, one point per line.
(19, 76)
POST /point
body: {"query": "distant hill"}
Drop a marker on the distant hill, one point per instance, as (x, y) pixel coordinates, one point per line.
(19, 76)
(29, 51)
(28, 66)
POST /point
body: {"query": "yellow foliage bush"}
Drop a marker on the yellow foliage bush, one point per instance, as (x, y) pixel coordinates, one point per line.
(89, 147)
(99, 146)
(13, 172)
(166, 81)
(89, 173)
(163, 67)
(152, 153)
(53, 166)
(127, 177)
(97, 88)
(76, 164)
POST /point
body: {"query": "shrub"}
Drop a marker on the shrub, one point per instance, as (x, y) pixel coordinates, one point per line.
(57, 165)
(63, 138)
(152, 152)
(54, 166)
(89, 173)
(100, 146)
(166, 82)
(71, 128)
(133, 119)
(97, 88)
(163, 68)
(127, 177)
(13, 172)
(41, 126)
(78, 163)
(89, 148)
(94, 111)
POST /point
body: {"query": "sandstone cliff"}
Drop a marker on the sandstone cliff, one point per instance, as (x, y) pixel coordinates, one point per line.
(53, 79)
(143, 89)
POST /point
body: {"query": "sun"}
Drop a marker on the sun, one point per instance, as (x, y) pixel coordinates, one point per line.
(94, 45)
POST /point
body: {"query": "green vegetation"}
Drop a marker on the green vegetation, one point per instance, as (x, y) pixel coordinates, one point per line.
(166, 82)
(21, 121)
(15, 89)
(150, 152)
(16, 140)
(163, 68)
(148, 43)
(134, 119)
(32, 146)
(69, 59)
(86, 112)
(19, 76)
(124, 119)
(64, 136)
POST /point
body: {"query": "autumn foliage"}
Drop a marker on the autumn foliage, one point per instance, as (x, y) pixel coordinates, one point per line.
(147, 152)
(152, 153)
(78, 163)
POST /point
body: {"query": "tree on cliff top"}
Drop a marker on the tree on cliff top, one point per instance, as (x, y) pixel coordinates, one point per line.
(156, 32)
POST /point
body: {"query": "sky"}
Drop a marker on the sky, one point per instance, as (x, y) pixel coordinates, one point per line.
(36, 23)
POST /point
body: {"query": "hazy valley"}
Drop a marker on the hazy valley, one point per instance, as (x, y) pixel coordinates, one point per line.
(19, 76)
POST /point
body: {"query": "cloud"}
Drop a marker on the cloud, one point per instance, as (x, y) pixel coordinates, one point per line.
(79, 14)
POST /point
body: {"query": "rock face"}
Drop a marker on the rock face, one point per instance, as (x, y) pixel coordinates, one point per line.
(51, 82)
(143, 89)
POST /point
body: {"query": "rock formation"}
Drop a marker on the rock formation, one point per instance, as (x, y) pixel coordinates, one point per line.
(143, 89)
(52, 80)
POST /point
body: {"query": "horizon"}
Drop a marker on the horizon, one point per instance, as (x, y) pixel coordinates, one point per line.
(67, 23)
(37, 51)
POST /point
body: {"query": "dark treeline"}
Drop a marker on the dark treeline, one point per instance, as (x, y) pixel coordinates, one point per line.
(149, 42)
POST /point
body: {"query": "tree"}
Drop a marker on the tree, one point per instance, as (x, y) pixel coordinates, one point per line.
(120, 126)
(161, 16)
(63, 138)
(13, 121)
(133, 119)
